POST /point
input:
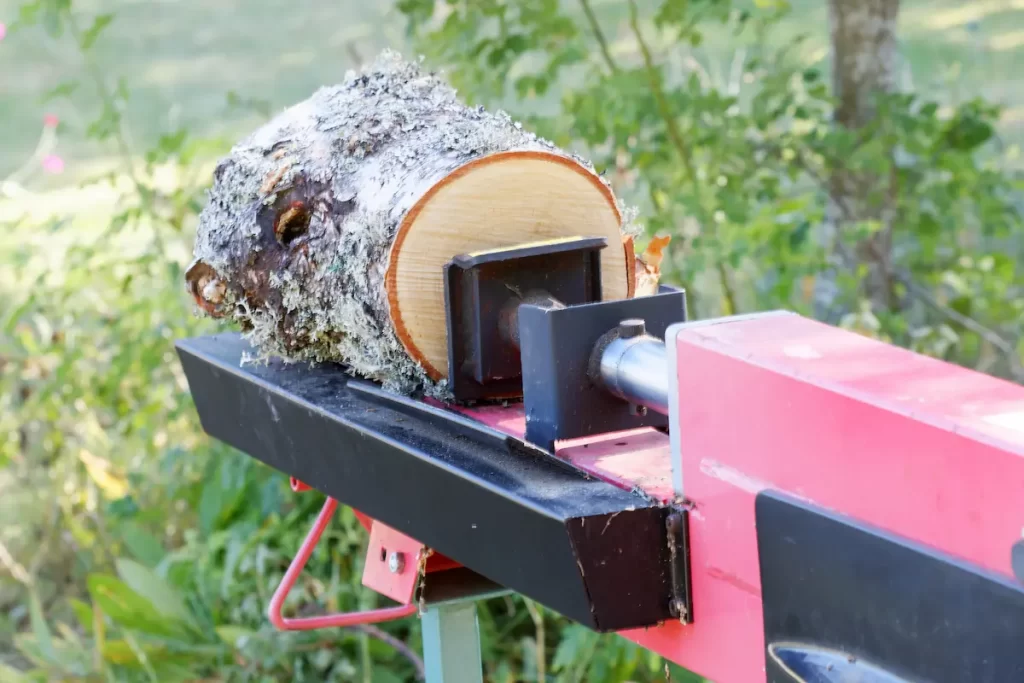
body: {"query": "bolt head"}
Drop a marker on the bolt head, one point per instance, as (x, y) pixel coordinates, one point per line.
(632, 327)
(396, 562)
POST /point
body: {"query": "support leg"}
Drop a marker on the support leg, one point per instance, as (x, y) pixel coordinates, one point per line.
(451, 644)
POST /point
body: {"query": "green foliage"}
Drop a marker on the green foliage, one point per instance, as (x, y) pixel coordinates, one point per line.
(143, 551)
(741, 169)
(154, 551)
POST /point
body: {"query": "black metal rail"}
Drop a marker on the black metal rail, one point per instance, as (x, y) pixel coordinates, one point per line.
(504, 508)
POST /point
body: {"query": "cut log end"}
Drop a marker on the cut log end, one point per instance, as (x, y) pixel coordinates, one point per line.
(497, 201)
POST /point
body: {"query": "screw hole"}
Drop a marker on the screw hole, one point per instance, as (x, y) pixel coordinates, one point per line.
(622, 443)
(383, 554)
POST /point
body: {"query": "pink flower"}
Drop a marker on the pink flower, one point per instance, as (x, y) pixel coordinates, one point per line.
(3, 30)
(51, 120)
(53, 164)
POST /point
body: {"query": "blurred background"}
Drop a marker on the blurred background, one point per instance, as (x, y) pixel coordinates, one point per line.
(857, 161)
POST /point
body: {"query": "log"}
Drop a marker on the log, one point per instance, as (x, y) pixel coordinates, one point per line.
(326, 231)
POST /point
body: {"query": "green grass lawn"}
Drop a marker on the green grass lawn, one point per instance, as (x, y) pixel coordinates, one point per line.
(181, 59)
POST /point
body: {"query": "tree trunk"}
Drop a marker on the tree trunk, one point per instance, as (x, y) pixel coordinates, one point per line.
(864, 64)
(327, 230)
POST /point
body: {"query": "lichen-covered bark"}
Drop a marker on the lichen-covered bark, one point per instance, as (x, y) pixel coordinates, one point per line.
(294, 241)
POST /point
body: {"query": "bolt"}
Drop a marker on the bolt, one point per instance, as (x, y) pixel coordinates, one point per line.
(396, 563)
(632, 327)
(638, 410)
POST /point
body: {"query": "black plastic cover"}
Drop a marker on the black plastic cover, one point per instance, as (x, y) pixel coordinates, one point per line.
(846, 601)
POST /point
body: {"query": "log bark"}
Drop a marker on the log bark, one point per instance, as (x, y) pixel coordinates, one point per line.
(326, 230)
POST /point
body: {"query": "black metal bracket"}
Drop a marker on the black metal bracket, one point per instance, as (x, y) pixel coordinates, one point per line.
(561, 400)
(677, 525)
(524, 321)
(483, 292)
(501, 507)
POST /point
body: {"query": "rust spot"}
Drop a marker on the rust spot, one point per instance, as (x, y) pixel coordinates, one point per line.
(273, 179)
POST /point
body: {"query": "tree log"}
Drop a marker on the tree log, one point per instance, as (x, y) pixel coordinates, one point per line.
(327, 229)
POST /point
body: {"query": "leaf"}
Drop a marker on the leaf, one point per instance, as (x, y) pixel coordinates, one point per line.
(235, 636)
(382, 675)
(167, 146)
(119, 652)
(127, 608)
(100, 470)
(144, 546)
(93, 32)
(123, 508)
(158, 592)
(15, 315)
(9, 675)
(64, 89)
(39, 628)
(99, 629)
(122, 652)
(83, 613)
(53, 22)
(211, 501)
(28, 13)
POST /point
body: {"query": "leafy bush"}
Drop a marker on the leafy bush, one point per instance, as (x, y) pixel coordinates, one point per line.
(141, 550)
(738, 169)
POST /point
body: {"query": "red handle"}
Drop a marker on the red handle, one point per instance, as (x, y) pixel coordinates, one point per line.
(295, 568)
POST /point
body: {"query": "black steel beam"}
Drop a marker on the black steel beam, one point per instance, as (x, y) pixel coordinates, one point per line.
(502, 507)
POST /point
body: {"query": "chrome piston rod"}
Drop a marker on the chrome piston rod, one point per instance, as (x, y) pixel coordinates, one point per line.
(633, 366)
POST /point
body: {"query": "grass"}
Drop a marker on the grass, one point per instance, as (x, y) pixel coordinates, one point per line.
(181, 60)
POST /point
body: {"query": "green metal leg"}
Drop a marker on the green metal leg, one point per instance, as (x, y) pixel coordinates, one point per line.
(451, 643)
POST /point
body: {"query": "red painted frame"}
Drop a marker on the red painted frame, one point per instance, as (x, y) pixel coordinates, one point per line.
(922, 448)
(399, 585)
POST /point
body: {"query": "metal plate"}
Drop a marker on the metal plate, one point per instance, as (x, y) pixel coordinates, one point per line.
(392, 563)
(480, 295)
(560, 399)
